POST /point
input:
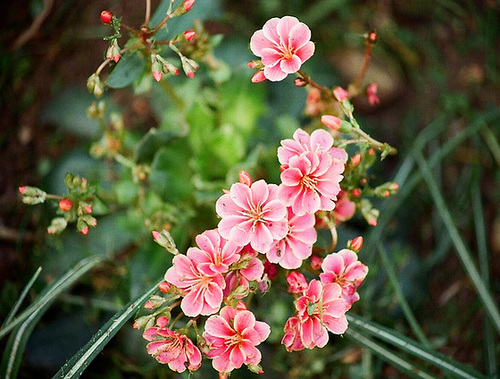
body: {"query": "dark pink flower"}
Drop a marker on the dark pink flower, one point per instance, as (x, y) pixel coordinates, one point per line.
(290, 251)
(172, 348)
(344, 269)
(297, 282)
(232, 336)
(203, 291)
(320, 310)
(252, 215)
(283, 45)
(292, 338)
(344, 208)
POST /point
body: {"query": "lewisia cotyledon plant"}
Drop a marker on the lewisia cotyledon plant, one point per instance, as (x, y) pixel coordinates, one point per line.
(283, 44)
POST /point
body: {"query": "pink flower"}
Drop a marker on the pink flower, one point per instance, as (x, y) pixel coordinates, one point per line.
(320, 310)
(252, 215)
(203, 292)
(215, 254)
(344, 269)
(296, 246)
(172, 348)
(232, 337)
(344, 208)
(283, 45)
(316, 262)
(371, 93)
(311, 182)
(319, 141)
(292, 338)
(297, 282)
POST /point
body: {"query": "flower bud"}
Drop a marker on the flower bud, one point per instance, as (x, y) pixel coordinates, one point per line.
(316, 262)
(164, 286)
(340, 94)
(297, 282)
(300, 82)
(57, 225)
(106, 17)
(356, 192)
(258, 77)
(164, 239)
(330, 121)
(189, 35)
(371, 93)
(95, 86)
(244, 178)
(188, 4)
(356, 244)
(356, 159)
(189, 66)
(32, 195)
(65, 205)
(113, 52)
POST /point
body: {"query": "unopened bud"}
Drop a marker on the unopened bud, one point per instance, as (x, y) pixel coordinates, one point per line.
(356, 244)
(94, 85)
(371, 37)
(65, 205)
(300, 82)
(356, 159)
(189, 66)
(330, 121)
(316, 262)
(244, 178)
(106, 17)
(164, 239)
(340, 94)
(164, 286)
(356, 192)
(258, 77)
(255, 64)
(57, 225)
(32, 195)
(188, 4)
(113, 52)
(189, 35)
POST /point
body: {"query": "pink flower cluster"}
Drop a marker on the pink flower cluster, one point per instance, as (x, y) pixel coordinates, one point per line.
(323, 304)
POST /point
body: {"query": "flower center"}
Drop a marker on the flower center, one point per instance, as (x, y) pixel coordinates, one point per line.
(308, 182)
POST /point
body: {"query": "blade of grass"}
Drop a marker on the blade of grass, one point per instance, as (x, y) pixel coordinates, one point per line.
(21, 298)
(462, 251)
(405, 307)
(484, 266)
(403, 365)
(446, 364)
(51, 292)
(81, 360)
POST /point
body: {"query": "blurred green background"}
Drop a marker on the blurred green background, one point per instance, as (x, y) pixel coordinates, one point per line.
(437, 66)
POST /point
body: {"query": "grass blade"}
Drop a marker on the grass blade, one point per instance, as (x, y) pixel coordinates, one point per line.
(19, 301)
(51, 292)
(446, 364)
(395, 360)
(464, 255)
(81, 360)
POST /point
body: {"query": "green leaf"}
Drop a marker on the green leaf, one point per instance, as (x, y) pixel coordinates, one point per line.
(81, 360)
(446, 364)
(152, 141)
(128, 68)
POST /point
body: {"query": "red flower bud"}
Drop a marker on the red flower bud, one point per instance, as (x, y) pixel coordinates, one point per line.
(106, 17)
(65, 205)
(188, 4)
(22, 189)
(189, 35)
(244, 178)
(356, 159)
(258, 77)
(356, 192)
(356, 244)
(84, 230)
(164, 286)
(330, 121)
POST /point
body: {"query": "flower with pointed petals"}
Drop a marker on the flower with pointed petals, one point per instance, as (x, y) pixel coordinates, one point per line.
(232, 336)
(215, 254)
(319, 140)
(311, 182)
(344, 269)
(203, 292)
(172, 348)
(321, 309)
(252, 215)
(283, 45)
(290, 251)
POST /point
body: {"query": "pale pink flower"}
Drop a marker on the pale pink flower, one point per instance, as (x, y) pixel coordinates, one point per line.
(319, 141)
(283, 45)
(215, 254)
(172, 348)
(252, 215)
(292, 338)
(344, 208)
(203, 293)
(290, 251)
(232, 336)
(311, 182)
(297, 282)
(320, 310)
(344, 269)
